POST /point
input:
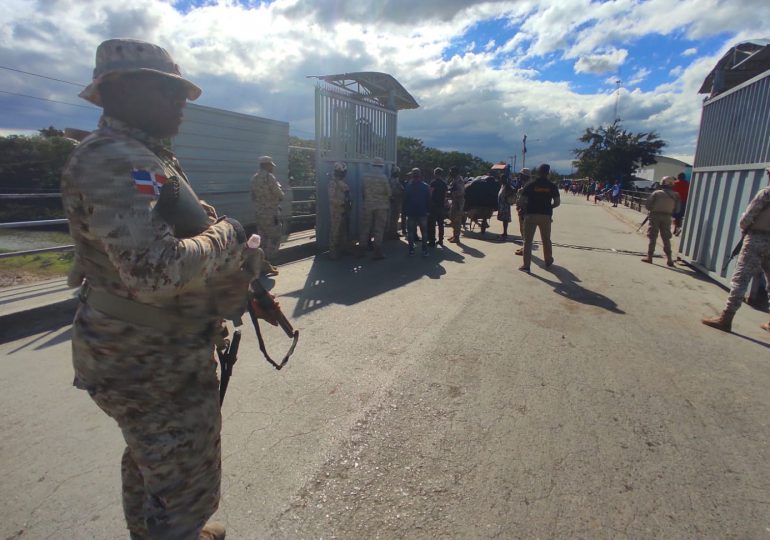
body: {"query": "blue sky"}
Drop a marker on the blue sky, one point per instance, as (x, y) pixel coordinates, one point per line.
(484, 73)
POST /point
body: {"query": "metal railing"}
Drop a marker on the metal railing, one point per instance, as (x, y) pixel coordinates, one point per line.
(634, 199)
(307, 206)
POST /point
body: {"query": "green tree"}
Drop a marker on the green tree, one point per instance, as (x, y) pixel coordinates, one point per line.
(301, 162)
(412, 153)
(33, 163)
(614, 153)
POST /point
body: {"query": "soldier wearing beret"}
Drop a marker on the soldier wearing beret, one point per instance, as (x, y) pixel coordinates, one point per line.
(151, 304)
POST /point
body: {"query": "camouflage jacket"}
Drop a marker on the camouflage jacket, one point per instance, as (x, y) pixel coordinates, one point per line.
(757, 215)
(663, 201)
(396, 189)
(376, 192)
(110, 186)
(266, 194)
(339, 194)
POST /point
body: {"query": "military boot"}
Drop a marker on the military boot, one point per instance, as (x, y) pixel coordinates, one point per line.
(669, 259)
(212, 531)
(724, 322)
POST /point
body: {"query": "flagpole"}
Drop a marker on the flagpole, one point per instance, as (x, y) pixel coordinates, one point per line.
(524, 151)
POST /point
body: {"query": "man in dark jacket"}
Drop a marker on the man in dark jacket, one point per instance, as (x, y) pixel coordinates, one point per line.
(540, 196)
(416, 208)
(438, 191)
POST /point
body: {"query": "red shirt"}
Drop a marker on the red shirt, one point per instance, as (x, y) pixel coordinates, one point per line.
(682, 188)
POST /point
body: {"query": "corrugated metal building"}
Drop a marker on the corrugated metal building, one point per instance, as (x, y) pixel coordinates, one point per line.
(219, 151)
(356, 121)
(732, 152)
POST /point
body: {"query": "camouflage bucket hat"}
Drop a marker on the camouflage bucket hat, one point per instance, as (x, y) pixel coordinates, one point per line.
(118, 56)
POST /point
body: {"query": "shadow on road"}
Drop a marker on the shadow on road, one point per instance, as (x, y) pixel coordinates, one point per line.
(351, 280)
(751, 339)
(568, 287)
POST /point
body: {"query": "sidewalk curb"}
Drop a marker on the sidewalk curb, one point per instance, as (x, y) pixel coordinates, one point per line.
(60, 313)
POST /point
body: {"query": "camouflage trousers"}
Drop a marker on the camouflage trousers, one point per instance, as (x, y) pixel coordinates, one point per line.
(659, 224)
(338, 231)
(270, 230)
(753, 259)
(396, 205)
(373, 224)
(163, 392)
(456, 215)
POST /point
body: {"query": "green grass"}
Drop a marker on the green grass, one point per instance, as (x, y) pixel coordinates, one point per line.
(55, 264)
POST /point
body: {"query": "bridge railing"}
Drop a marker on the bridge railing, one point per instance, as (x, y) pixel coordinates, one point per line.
(302, 218)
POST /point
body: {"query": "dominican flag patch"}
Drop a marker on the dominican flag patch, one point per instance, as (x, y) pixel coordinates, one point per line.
(147, 182)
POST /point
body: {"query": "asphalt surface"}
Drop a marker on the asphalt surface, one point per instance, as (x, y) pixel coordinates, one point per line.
(447, 397)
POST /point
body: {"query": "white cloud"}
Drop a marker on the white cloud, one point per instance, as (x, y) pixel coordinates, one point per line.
(254, 58)
(638, 76)
(676, 71)
(602, 62)
(690, 52)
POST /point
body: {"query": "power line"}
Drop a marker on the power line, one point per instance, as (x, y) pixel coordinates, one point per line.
(42, 76)
(90, 107)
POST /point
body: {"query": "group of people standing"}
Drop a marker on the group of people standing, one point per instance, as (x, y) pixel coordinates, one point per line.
(423, 208)
(420, 206)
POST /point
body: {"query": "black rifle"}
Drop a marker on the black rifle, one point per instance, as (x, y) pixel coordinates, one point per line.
(736, 250)
(646, 219)
(228, 356)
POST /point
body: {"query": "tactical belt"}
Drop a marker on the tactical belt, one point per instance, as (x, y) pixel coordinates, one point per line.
(139, 314)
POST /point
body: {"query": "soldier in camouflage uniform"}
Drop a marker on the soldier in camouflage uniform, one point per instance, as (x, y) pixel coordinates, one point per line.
(396, 203)
(151, 304)
(662, 204)
(339, 211)
(376, 195)
(753, 258)
(266, 194)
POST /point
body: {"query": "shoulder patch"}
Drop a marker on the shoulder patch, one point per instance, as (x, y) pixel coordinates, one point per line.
(146, 182)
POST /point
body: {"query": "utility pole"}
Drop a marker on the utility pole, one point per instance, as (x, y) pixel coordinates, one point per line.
(524, 151)
(618, 82)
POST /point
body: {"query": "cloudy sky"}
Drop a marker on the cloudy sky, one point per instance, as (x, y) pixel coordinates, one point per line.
(484, 73)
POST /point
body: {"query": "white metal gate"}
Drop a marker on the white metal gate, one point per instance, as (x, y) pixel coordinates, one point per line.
(732, 153)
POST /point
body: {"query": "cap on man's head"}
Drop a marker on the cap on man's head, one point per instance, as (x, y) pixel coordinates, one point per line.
(378, 162)
(438, 170)
(415, 172)
(264, 160)
(340, 167)
(525, 172)
(116, 57)
(681, 176)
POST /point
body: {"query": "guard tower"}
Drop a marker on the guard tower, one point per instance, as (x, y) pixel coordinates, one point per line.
(355, 121)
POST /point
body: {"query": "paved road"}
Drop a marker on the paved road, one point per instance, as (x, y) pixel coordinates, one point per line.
(448, 397)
